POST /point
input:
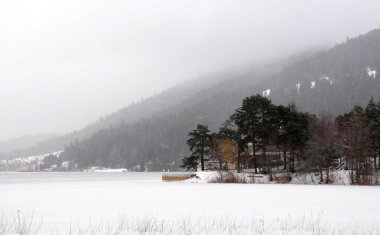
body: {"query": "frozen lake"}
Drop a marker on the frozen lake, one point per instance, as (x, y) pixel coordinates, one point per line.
(62, 199)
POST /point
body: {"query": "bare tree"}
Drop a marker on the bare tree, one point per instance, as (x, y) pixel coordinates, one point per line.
(355, 134)
(323, 145)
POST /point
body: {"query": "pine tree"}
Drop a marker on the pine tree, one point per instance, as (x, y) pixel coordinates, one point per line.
(296, 133)
(372, 113)
(199, 144)
(256, 119)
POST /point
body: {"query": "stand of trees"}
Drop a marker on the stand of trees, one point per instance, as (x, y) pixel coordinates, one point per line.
(269, 138)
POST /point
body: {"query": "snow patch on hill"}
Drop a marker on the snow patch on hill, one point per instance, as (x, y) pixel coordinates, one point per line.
(266, 93)
(330, 80)
(371, 73)
(298, 85)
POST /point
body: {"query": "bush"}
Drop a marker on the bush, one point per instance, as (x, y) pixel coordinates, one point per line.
(229, 178)
(365, 181)
(283, 179)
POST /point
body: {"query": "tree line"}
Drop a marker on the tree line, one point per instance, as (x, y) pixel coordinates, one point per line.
(269, 138)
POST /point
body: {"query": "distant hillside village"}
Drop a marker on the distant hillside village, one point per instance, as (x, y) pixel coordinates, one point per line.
(53, 162)
(46, 162)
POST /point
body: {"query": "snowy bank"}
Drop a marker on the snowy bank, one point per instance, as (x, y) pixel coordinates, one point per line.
(341, 177)
(203, 177)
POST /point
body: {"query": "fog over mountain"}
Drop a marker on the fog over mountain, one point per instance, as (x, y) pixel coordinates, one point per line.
(23, 142)
(155, 129)
(65, 63)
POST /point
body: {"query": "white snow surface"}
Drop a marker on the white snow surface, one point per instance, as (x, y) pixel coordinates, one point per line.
(111, 170)
(64, 199)
(203, 177)
(105, 170)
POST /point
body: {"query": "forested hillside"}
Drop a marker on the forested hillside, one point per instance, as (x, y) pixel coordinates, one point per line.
(333, 80)
(330, 81)
(143, 109)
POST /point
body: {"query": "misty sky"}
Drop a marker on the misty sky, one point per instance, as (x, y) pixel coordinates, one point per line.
(64, 63)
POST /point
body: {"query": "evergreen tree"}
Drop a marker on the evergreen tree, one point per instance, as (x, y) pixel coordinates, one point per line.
(255, 120)
(199, 144)
(372, 112)
(296, 133)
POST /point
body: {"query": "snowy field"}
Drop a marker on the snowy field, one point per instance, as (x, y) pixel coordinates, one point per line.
(65, 201)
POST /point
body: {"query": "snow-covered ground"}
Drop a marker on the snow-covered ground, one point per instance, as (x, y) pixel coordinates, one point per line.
(340, 177)
(63, 200)
(106, 170)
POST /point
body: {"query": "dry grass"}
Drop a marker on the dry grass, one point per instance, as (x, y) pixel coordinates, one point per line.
(176, 177)
(365, 181)
(195, 225)
(283, 179)
(21, 224)
(229, 178)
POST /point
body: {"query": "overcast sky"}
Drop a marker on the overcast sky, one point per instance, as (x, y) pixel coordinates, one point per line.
(65, 63)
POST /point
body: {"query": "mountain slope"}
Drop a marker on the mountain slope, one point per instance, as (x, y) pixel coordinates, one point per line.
(332, 81)
(143, 109)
